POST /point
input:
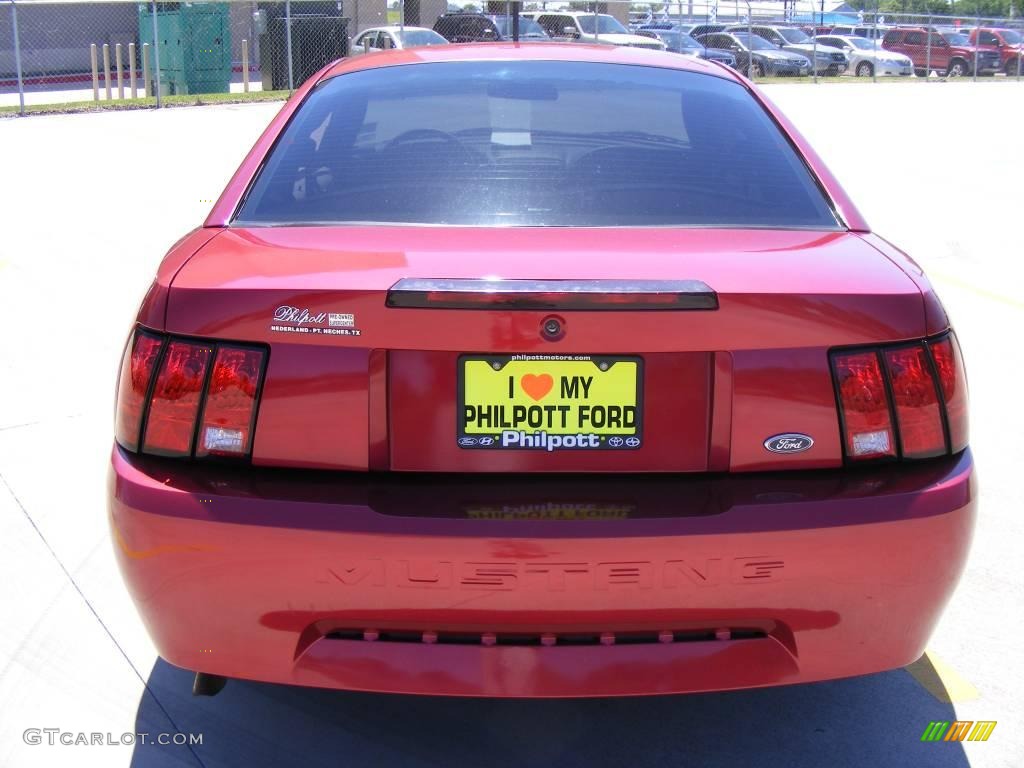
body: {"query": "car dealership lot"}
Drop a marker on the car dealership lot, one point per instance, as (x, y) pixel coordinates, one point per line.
(90, 202)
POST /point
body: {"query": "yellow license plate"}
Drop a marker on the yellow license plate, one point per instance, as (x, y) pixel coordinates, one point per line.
(550, 403)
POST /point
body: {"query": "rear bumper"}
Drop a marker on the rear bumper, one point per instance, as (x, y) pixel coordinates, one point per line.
(696, 584)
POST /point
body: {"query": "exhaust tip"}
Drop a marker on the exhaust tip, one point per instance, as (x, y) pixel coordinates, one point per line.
(208, 685)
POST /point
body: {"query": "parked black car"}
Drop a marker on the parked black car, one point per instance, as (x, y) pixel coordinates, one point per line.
(680, 42)
(529, 30)
(466, 27)
(470, 27)
(764, 58)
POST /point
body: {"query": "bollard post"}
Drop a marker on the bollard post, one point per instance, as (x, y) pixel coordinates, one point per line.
(17, 58)
(245, 65)
(131, 69)
(145, 71)
(95, 72)
(106, 70)
(119, 68)
(156, 53)
(288, 42)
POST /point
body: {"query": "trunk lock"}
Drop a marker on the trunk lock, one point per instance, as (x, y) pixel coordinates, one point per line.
(552, 328)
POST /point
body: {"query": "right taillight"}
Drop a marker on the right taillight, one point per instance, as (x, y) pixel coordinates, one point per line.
(188, 397)
(916, 398)
(906, 401)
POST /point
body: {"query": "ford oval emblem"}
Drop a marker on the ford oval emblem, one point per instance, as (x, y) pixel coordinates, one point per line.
(791, 442)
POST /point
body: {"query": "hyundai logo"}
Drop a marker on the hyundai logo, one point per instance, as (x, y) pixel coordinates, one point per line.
(791, 442)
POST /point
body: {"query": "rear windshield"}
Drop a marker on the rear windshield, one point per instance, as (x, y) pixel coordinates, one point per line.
(533, 143)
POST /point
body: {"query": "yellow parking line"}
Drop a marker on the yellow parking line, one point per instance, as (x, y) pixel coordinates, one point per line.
(942, 276)
(941, 680)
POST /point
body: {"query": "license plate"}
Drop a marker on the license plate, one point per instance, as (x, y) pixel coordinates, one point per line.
(550, 403)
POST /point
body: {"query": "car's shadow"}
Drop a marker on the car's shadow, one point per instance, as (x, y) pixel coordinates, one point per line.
(875, 720)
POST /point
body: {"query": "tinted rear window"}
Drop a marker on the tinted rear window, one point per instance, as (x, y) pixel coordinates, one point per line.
(533, 143)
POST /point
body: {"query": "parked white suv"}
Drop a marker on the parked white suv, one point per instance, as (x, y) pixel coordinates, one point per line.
(868, 32)
(592, 28)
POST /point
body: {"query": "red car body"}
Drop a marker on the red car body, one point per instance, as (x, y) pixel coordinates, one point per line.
(940, 54)
(358, 545)
(999, 40)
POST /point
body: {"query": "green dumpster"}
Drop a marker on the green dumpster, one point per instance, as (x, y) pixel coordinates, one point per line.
(195, 46)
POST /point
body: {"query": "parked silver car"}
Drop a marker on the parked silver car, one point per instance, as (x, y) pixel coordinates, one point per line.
(868, 57)
(591, 28)
(385, 38)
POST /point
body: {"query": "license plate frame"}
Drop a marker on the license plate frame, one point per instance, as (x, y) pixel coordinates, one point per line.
(615, 414)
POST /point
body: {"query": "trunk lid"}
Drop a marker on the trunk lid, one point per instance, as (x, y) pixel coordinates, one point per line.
(353, 383)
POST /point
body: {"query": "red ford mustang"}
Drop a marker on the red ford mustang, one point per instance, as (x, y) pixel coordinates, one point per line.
(538, 371)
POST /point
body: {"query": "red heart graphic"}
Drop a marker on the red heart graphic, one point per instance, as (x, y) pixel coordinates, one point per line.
(537, 387)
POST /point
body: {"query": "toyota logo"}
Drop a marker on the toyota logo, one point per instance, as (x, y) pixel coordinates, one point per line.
(615, 442)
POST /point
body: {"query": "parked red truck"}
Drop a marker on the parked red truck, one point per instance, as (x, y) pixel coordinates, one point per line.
(1006, 42)
(948, 54)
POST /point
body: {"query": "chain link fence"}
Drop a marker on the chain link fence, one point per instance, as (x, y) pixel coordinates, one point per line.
(117, 53)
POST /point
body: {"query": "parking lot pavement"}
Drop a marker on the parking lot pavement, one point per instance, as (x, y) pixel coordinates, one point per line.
(90, 203)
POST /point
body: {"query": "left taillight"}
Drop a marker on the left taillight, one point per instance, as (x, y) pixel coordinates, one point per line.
(140, 359)
(187, 397)
(230, 411)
